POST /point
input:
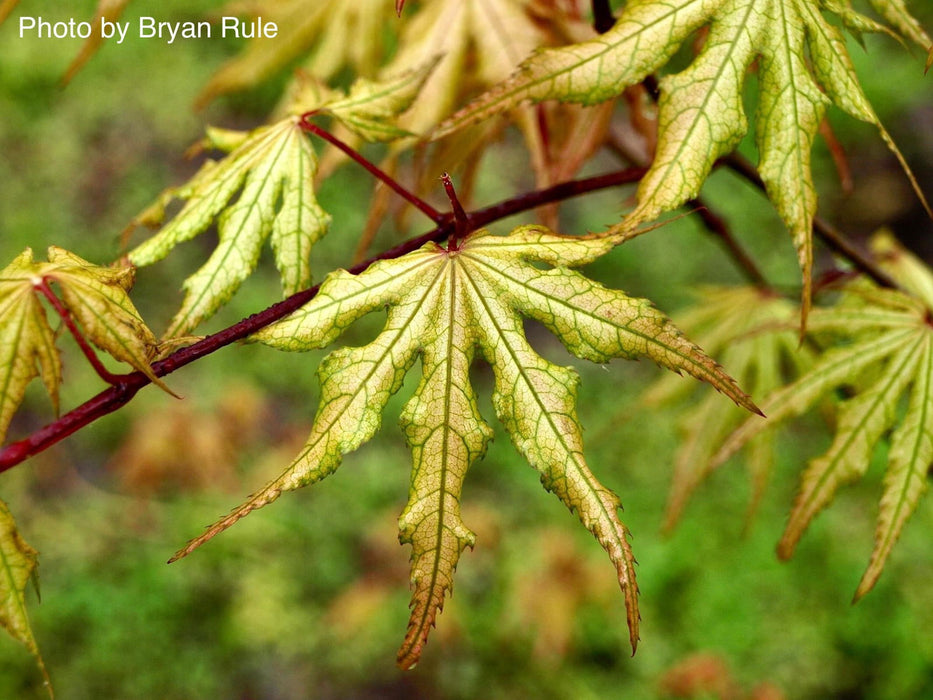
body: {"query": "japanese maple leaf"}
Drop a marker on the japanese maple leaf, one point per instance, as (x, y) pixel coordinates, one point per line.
(328, 34)
(264, 189)
(95, 297)
(803, 66)
(896, 14)
(751, 332)
(445, 306)
(18, 565)
(481, 43)
(882, 350)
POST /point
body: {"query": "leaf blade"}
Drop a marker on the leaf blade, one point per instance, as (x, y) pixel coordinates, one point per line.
(862, 420)
(271, 175)
(905, 481)
(27, 341)
(443, 305)
(548, 434)
(18, 565)
(446, 435)
(98, 298)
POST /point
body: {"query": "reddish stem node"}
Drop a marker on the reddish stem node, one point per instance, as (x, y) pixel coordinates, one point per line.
(461, 220)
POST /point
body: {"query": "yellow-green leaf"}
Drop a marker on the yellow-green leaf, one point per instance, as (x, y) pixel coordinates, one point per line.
(482, 42)
(911, 272)
(908, 465)
(370, 107)
(95, 297)
(859, 426)
(751, 333)
(27, 341)
(803, 65)
(444, 305)
(18, 565)
(263, 189)
(895, 12)
(332, 34)
(881, 348)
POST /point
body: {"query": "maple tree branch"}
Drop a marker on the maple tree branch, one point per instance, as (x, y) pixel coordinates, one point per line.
(826, 232)
(718, 226)
(712, 221)
(409, 196)
(555, 193)
(126, 386)
(43, 287)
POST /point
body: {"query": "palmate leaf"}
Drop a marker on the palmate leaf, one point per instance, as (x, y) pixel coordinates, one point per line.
(752, 333)
(264, 189)
(884, 350)
(896, 14)
(481, 42)
(803, 66)
(18, 566)
(96, 297)
(27, 341)
(334, 34)
(444, 306)
(272, 171)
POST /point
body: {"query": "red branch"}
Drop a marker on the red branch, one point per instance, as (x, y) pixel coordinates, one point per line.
(126, 386)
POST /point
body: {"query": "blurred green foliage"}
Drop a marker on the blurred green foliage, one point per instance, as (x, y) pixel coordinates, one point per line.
(307, 599)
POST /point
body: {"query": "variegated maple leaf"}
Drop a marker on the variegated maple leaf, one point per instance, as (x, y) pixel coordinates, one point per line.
(896, 14)
(445, 305)
(883, 350)
(752, 333)
(96, 297)
(18, 566)
(264, 189)
(330, 34)
(481, 42)
(803, 66)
